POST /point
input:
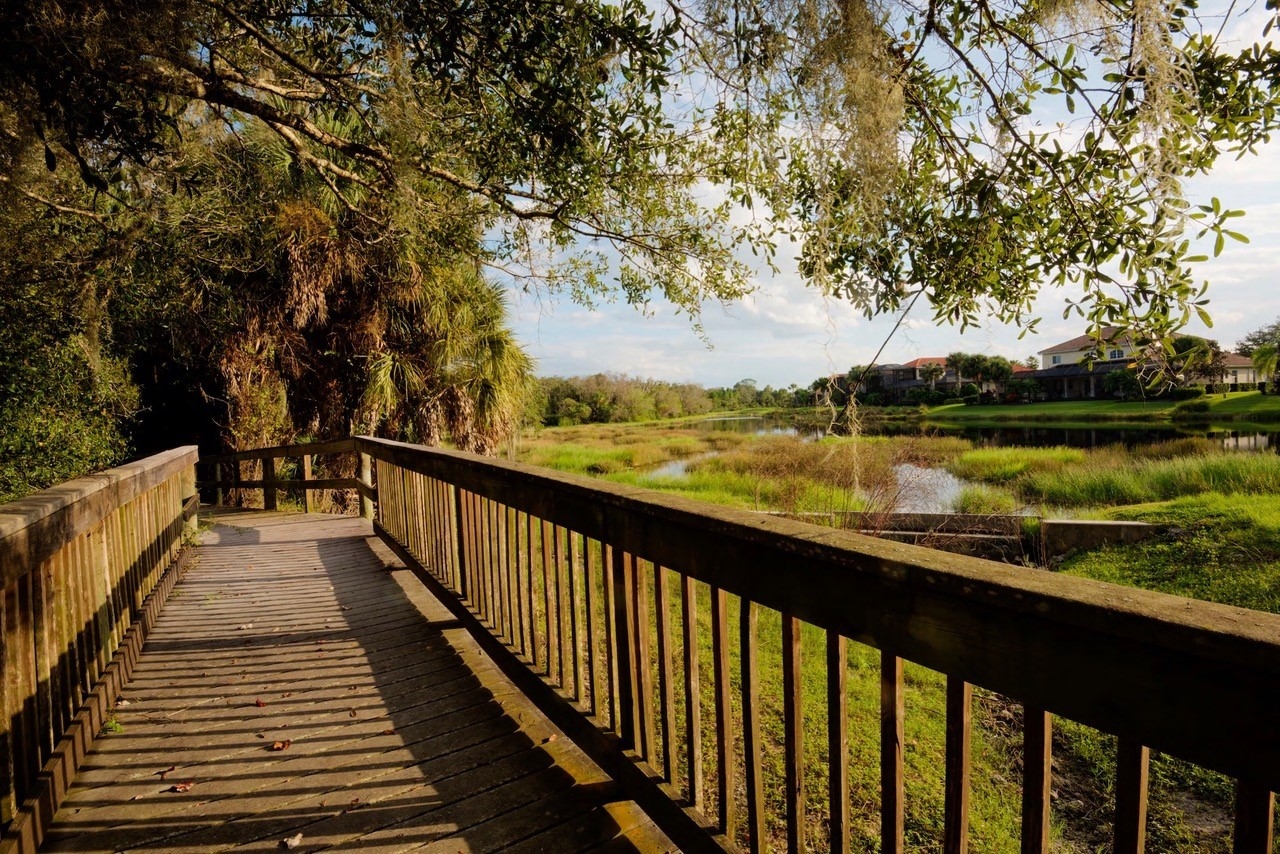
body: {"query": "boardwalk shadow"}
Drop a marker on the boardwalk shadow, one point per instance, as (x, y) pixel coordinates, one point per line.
(304, 687)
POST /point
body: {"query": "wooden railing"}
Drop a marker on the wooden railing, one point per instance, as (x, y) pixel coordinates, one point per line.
(85, 567)
(619, 610)
(226, 472)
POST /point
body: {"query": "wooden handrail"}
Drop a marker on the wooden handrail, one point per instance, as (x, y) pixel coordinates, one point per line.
(86, 567)
(270, 485)
(1196, 680)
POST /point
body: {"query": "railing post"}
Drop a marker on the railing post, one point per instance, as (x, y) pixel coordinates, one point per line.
(622, 622)
(460, 526)
(307, 503)
(366, 477)
(268, 491)
(186, 490)
(217, 477)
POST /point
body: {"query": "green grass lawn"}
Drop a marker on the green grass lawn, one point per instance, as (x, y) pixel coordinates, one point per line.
(1237, 406)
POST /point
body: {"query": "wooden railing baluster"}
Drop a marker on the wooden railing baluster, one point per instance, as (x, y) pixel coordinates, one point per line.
(1133, 761)
(591, 565)
(955, 835)
(666, 673)
(625, 655)
(573, 550)
(644, 663)
(547, 547)
(692, 694)
(1037, 765)
(748, 620)
(892, 807)
(1254, 819)
(838, 741)
(724, 711)
(269, 494)
(608, 605)
(793, 725)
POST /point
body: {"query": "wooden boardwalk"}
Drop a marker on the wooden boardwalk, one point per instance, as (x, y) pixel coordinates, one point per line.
(391, 730)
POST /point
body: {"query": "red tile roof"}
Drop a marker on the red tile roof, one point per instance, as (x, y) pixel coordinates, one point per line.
(1084, 342)
(1235, 360)
(925, 360)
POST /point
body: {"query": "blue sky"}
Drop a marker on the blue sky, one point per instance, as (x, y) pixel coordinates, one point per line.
(787, 333)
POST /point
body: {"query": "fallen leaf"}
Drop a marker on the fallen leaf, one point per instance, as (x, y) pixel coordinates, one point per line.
(388, 732)
(291, 841)
(245, 626)
(121, 702)
(287, 694)
(259, 702)
(182, 787)
(549, 739)
(161, 774)
(353, 713)
(259, 735)
(282, 745)
(346, 607)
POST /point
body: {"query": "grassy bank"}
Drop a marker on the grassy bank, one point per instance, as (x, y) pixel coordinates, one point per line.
(1073, 478)
(1245, 406)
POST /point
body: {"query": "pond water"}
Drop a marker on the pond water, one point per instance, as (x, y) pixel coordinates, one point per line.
(1018, 435)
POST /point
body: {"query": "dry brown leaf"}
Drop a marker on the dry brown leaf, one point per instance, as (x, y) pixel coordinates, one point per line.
(282, 745)
(182, 787)
(353, 713)
(287, 694)
(162, 774)
(291, 841)
(549, 739)
(259, 702)
(388, 732)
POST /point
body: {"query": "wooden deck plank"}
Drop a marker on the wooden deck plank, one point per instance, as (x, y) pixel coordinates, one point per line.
(402, 734)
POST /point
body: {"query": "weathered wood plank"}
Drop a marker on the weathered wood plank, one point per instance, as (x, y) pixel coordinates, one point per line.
(399, 727)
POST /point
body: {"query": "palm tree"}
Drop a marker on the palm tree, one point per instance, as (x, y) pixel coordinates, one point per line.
(1264, 362)
(931, 372)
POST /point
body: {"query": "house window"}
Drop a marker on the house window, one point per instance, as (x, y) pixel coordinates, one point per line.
(1056, 360)
(1115, 354)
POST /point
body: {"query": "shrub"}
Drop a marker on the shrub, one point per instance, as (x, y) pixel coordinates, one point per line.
(1185, 393)
(969, 400)
(1190, 409)
(988, 398)
(970, 389)
(1244, 386)
(1262, 387)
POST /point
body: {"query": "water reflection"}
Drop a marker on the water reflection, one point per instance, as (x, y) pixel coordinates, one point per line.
(1016, 435)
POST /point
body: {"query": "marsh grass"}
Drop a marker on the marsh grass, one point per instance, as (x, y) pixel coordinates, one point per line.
(1100, 483)
(1001, 465)
(981, 499)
